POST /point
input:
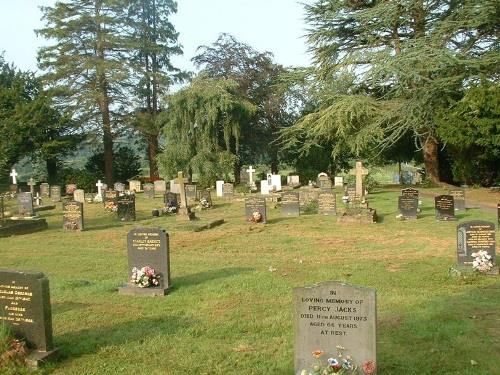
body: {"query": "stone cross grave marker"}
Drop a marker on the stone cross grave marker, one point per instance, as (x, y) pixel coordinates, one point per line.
(38, 199)
(327, 203)
(408, 206)
(25, 201)
(55, 193)
(14, 175)
(334, 314)
(26, 310)
(99, 185)
(44, 190)
(445, 207)
(458, 199)
(359, 172)
(73, 216)
(148, 247)
(32, 184)
(472, 237)
(149, 191)
(125, 209)
(290, 203)
(255, 210)
(184, 210)
(250, 172)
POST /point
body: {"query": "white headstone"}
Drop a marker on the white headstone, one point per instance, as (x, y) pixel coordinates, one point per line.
(264, 187)
(99, 187)
(251, 171)
(14, 175)
(174, 187)
(293, 180)
(339, 181)
(275, 182)
(219, 188)
(135, 185)
(160, 186)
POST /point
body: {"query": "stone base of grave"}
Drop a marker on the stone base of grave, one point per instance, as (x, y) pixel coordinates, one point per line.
(132, 290)
(186, 214)
(21, 226)
(37, 358)
(366, 216)
(45, 207)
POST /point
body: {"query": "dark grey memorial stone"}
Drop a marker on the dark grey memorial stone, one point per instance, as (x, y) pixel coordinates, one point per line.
(334, 314)
(73, 215)
(474, 236)
(206, 194)
(149, 191)
(227, 190)
(25, 309)
(255, 209)
(126, 207)
(408, 206)
(55, 193)
(191, 193)
(25, 201)
(409, 192)
(458, 198)
(327, 204)
(44, 190)
(171, 198)
(148, 247)
(290, 203)
(445, 207)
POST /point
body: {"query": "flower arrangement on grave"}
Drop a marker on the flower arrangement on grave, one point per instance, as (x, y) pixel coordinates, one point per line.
(145, 277)
(204, 203)
(482, 261)
(170, 207)
(12, 351)
(341, 364)
(256, 217)
(110, 206)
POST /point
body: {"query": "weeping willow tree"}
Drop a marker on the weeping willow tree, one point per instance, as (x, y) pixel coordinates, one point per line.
(202, 129)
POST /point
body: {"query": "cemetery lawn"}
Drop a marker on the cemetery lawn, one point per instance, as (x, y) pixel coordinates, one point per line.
(230, 310)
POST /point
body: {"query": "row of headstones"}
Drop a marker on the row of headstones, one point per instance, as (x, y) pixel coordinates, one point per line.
(445, 205)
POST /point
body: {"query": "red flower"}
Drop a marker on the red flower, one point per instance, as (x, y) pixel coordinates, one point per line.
(369, 367)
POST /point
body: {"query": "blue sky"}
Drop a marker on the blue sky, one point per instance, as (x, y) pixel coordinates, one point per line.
(272, 25)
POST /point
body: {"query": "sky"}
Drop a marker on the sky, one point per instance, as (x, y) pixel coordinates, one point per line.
(276, 26)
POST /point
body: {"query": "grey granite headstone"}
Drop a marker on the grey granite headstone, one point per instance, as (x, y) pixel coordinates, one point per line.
(55, 193)
(126, 207)
(290, 203)
(255, 209)
(191, 193)
(148, 247)
(445, 207)
(73, 216)
(44, 190)
(409, 192)
(25, 201)
(149, 191)
(458, 199)
(79, 195)
(119, 186)
(25, 309)
(173, 198)
(160, 187)
(474, 236)
(206, 194)
(334, 314)
(408, 206)
(327, 204)
(324, 183)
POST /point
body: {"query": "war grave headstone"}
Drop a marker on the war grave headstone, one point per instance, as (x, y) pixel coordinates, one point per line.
(206, 198)
(119, 187)
(445, 208)
(327, 204)
(324, 182)
(219, 185)
(149, 191)
(110, 200)
(191, 193)
(134, 185)
(125, 207)
(32, 184)
(408, 207)
(255, 210)
(160, 187)
(228, 190)
(148, 263)
(55, 193)
(26, 310)
(458, 199)
(70, 189)
(359, 171)
(275, 184)
(473, 237)
(25, 201)
(333, 315)
(44, 190)
(290, 205)
(73, 216)
(79, 195)
(339, 181)
(293, 180)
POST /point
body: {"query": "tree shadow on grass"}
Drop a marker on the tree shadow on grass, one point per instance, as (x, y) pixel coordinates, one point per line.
(280, 219)
(202, 277)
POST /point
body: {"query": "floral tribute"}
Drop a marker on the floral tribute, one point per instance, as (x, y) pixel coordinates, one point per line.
(145, 277)
(170, 207)
(204, 203)
(341, 364)
(482, 261)
(256, 217)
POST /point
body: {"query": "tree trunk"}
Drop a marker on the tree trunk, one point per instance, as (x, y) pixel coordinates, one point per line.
(51, 170)
(430, 150)
(237, 172)
(153, 149)
(400, 172)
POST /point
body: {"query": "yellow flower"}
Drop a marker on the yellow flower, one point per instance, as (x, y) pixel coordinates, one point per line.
(318, 353)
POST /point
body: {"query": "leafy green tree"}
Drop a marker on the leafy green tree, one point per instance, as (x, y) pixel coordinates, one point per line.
(126, 164)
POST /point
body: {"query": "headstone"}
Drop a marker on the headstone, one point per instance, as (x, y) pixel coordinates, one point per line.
(324, 182)
(339, 181)
(126, 207)
(327, 204)
(160, 187)
(174, 187)
(171, 201)
(445, 208)
(219, 185)
(149, 191)
(351, 193)
(119, 186)
(332, 315)
(44, 190)
(79, 195)
(407, 177)
(148, 247)
(25, 201)
(184, 210)
(191, 193)
(408, 206)
(290, 203)
(359, 172)
(251, 182)
(255, 210)
(308, 196)
(409, 192)
(31, 184)
(227, 190)
(26, 311)
(104, 189)
(89, 197)
(38, 199)
(55, 193)
(73, 215)
(206, 196)
(13, 188)
(275, 182)
(14, 175)
(458, 199)
(110, 200)
(293, 180)
(264, 187)
(134, 185)
(472, 237)
(70, 189)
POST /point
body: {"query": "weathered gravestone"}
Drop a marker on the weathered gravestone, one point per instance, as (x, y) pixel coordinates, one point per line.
(191, 193)
(472, 237)
(119, 186)
(293, 180)
(219, 185)
(160, 187)
(55, 193)
(409, 192)
(290, 205)
(171, 197)
(79, 195)
(339, 181)
(324, 182)
(359, 171)
(73, 215)
(149, 191)
(206, 198)
(264, 187)
(110, 198)
(134, 185)
(44, 190)
(25, 309)
(408, 207)
(327, 204)
(147, 247)
(351, 193)
(308, 196)
(32, 184)
(445, 208)
(255, 210)
(126, 207)
(25, 201)
(70, 189)
(458, 199)
(227, 190)
(331, 315)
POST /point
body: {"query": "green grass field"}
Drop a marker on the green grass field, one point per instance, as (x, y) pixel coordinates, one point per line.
(228, 314)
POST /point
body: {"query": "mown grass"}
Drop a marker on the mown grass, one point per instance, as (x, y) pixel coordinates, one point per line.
(229, 314)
